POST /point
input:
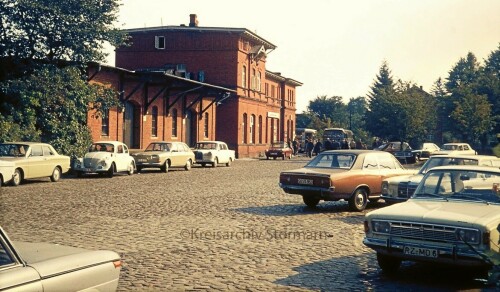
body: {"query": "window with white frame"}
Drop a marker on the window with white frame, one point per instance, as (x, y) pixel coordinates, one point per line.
(206, 126)
(244, 77)
(159, 42)
(244, 128)
(252, 129)
(257, 81)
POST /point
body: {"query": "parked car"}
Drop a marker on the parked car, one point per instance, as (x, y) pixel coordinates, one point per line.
(412, 156)
(6, 171)
(279, 149)
(455, 148)
(164, 155)
(213, 153)
(399, 188)
(453, 218)
(393, 147)
(352, 175)
(34, 160)
(105, 157)
(51, 267)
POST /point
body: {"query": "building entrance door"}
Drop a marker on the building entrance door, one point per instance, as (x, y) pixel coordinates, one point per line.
(131, 125)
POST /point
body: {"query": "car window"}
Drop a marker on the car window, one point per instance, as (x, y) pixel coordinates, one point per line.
(223, 146)
(5, 257)
(120, 149)
(125, 149)
(466, 147)
(174, 147)
(36, 150)
(333, 160)
(370, 162)
(186, 148)
(47, 151)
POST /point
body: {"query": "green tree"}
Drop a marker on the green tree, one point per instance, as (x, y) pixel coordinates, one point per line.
(489, 84)
(464, 74)
(331, 108)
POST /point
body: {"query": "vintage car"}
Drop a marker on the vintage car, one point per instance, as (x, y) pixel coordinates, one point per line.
(412, 156)
(279, 149)
(455, 148)
(105, 157)
(164, 155)
(51, 267)
(453, 218)
(393, 147)
(6, 171)
(213, 153)
(400, 188)
(34, 160)
(352, 175)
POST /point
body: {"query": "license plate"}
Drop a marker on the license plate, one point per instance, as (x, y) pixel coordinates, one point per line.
(303, 181)
(272, 154)
(142, 160)
(420, 251)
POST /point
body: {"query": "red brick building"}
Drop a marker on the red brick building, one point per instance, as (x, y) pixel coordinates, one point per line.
(261, 109)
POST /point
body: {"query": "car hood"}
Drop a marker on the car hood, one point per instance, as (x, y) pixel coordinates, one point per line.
(52, 259)
(405, 178)
(150, 153)
(441, 212)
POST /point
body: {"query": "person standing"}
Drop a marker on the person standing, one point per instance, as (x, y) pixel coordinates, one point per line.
(328, 144)
(295, 147)
(309, 148)
(345, 145)
(335, 145)
(317, 147)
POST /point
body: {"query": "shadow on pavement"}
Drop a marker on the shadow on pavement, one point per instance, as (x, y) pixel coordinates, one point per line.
(361, 273)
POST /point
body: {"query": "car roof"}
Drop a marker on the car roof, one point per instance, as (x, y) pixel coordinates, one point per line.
(356, 151)
(466, 167)
(456, 143)
(209, 142)
(110, 142)
(27, 143)
(471, 156)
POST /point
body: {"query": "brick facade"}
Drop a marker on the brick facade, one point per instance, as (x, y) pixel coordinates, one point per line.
(261, 111)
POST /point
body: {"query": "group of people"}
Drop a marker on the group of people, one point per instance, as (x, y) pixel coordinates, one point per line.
(314, 148)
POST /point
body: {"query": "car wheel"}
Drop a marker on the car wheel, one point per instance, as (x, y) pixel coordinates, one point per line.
(139, 169)
(374, 200)
(274, 158)
(164, 167)
(188, 165)
(1, 181)
(310, 201)
(388, 264)
(130, 170)
(358, 200)
(18, 177)
(267, 157)
(228, 164)
(78, 173)
(203, 164)
(56, 174)
(216, 162)
(111, 171)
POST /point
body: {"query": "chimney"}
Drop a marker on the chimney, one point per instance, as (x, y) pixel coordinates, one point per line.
(193, 20)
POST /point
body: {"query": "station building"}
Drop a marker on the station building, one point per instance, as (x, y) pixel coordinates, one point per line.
(193, 83)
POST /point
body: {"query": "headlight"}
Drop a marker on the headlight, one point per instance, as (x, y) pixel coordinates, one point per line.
(102, 163)
(381, 226)
(468, 235)
(385, 188)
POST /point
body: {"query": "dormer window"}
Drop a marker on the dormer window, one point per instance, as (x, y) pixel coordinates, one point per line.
(160, 42)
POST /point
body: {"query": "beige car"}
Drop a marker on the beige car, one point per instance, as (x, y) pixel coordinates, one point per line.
(34, 160)
(165, 155)
(453, 218)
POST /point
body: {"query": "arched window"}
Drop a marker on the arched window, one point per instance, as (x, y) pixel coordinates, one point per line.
(206, 125)
(244, 77)
(258, 81)
(252, 129)
(244, 128)
(174, 122)
(154, 121)
(105, 123)
(252, 80)
(260, 129)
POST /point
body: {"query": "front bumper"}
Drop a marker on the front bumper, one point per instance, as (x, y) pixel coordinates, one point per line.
(389, 199)
(453, 254)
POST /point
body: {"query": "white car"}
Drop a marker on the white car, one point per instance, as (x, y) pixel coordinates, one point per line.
(455, 148)
(6, 171)
(105, 157)
(26, 266)
(453, 218)
(399, 188)
(213, 153)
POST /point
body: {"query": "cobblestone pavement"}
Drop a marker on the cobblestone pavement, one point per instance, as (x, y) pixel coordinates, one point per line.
(225, 228)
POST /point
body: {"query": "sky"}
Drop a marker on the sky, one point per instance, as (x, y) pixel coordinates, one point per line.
(336, 48)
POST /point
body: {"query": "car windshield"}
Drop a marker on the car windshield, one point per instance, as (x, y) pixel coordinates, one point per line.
(13, 150)
(102, 147)
(443, 161)
(332, 160)
(450, 147)
(159, 147)
(206, 146)
(469, 185)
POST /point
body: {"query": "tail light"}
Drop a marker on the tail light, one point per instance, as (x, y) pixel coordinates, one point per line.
(117, 264)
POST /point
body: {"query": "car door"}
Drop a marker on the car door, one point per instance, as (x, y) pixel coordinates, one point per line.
(37, 163)
(121, 157)
(223, 153)
(175, 155)
(51, 160)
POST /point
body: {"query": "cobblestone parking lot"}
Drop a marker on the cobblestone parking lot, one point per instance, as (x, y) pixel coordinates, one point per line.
(224, 228)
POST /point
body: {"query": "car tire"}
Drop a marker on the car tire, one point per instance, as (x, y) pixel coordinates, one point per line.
(188, 165)
(358, 200)
(267, 157)
(111, 171)
(216, 162)
(78, 173)
(203, 164)
(164, 167)
(56, 174)
(130, 170)
(17, 178)
(139, 169)
(228, 164)
(374, 200)
(274, 158)
(284, 156)
(310, 201)
(388, 264)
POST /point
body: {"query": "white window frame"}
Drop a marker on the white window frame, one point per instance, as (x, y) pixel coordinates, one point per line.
(158, 42)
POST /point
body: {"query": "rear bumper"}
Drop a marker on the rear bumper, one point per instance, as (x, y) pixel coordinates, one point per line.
(327, 194)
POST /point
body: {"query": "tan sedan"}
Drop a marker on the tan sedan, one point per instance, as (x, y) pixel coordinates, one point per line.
(165, 155)
(352, 175)
(34, 160)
